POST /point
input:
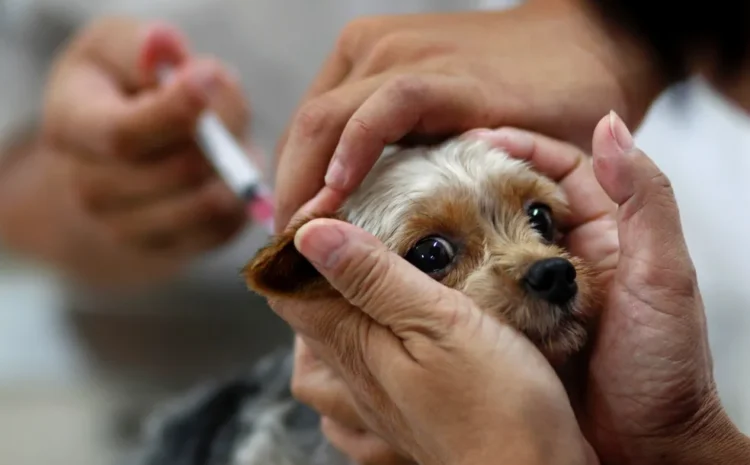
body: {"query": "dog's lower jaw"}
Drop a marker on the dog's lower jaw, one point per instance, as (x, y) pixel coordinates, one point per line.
(569, 338)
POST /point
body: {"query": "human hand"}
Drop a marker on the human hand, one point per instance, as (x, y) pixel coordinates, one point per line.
(650, 395)
(403, 353)
(132, 163)
(592, 235)
(317, 385)
(545, 66)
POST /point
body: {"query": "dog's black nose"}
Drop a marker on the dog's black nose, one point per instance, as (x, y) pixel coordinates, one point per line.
(552, 279)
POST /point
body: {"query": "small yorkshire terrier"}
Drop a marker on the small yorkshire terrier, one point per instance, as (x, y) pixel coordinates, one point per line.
(476, 220)
(469, 216)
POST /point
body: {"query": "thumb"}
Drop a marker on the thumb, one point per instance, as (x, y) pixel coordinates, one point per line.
(383, 285)
(652, 246)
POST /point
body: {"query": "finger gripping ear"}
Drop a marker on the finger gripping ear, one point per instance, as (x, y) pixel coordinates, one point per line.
(279, 270)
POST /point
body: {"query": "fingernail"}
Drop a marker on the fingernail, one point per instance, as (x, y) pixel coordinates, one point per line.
(620, 132)
(515, 141)
(518, 140)
(320, 244)
(336, 176)
(478, 132)
(206, 81)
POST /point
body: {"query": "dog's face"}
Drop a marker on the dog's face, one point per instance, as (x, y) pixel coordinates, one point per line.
(472, 218)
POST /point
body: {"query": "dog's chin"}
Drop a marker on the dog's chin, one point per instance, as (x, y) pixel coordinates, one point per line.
(564, 335)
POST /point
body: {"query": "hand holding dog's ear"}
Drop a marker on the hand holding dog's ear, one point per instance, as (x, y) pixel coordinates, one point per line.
(404, 344)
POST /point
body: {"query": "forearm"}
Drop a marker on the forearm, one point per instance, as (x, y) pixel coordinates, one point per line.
(714, 440)
(712, 39)
(627, 57)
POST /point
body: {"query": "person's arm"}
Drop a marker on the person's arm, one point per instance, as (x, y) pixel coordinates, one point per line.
(714, 439)
(547, 66)
(712, 39)
(629, 57)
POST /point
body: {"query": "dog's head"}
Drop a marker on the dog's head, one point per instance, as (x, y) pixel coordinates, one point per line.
(472, 218)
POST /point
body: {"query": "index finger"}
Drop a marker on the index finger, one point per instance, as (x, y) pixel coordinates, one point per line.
(334, 71)
(405, 105)
(563, 163)
(591, 226)
(355, 123)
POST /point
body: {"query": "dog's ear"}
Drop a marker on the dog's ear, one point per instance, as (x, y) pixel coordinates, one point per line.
(279, 270)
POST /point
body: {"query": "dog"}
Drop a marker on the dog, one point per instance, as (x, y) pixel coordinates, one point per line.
(468, 215)
(473, 218)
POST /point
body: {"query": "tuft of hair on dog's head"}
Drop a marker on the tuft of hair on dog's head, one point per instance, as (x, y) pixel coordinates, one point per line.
(473, 218)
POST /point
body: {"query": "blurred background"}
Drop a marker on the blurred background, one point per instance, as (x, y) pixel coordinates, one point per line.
(79, 369)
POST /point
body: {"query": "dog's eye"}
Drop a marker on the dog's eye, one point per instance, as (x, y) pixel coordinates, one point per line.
(540, 217)
(431, 255)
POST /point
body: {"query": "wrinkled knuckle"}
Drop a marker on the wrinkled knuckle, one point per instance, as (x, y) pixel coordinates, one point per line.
(354, 35)
(314, 118)
(674, 282)
(369, 277)
(663, 182)
(685, 283)
(360, 129)
(386, 51)
(408, 87)
(353, 334)
(456, 307)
